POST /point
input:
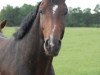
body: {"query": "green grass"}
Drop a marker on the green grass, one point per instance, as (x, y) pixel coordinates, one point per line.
(8, 31)
(80, 52)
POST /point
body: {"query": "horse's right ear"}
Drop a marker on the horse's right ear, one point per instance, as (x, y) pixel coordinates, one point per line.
(3, 23)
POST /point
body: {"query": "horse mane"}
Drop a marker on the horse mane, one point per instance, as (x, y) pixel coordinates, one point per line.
(26, 24)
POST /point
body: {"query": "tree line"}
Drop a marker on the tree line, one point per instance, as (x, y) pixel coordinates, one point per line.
(14, 16)
(76, 16)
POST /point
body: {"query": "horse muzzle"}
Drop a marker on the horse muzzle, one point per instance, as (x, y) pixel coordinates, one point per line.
(52, 47)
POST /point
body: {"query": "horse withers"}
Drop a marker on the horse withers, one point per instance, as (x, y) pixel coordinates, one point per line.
(33, 46)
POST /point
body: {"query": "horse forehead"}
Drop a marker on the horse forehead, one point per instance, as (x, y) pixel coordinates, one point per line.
(54, 9)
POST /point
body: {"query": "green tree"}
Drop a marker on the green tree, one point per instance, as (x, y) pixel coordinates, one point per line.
(15, 15)
(25, 9)
(75, 17)
(7, 13)
(87, 17)
(97, 15)
(97, 8)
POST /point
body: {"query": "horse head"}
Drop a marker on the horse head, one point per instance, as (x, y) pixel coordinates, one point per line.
(52, 24)
(2, 25)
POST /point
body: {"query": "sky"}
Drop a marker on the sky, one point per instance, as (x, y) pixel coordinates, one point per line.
(70, 3)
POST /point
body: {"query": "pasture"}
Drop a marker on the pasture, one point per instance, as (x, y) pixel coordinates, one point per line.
(80, 52)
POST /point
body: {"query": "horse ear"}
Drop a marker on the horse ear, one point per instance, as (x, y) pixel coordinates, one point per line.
(62, 1)
(3, 23)
(46, 1)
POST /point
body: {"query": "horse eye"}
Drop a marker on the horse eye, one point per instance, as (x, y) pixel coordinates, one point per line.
(41, 11)
(65, 13)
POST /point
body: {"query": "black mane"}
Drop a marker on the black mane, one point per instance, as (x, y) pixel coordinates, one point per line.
(26, 24)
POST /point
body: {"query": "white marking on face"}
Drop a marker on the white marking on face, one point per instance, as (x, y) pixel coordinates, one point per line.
(55, 7)
(53, 28)
(51, 36)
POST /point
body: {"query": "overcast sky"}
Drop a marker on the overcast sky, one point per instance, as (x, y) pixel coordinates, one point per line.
(70, 3)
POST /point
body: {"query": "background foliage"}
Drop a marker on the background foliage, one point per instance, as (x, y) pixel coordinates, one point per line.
(76, 16)
(14, 16)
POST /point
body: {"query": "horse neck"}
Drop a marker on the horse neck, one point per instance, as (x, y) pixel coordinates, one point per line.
(44, 64)
(39, 63)
(29, 45)
(32, 38)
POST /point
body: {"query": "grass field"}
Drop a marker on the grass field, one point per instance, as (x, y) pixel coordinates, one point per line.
(80, 52)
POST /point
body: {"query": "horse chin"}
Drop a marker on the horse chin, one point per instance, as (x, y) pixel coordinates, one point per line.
(51, 54)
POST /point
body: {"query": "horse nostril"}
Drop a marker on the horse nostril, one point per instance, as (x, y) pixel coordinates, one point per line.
(46, 43)
(52, 47)
(59, 42)
(52, 43)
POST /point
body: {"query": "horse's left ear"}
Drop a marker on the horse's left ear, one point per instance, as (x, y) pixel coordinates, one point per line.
(3, 23)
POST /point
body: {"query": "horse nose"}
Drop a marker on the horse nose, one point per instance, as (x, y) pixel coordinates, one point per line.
(52, 46)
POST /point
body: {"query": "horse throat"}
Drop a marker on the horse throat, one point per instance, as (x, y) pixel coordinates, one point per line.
(44, 65)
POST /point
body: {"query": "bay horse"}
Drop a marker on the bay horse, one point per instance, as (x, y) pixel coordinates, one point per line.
(2, 25)
(32, 48)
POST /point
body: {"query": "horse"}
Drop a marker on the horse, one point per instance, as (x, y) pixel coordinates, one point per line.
(2, 25)
(31, 49)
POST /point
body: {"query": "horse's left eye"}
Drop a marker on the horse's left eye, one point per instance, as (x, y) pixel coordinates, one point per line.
(41, 11)
(65, 13)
